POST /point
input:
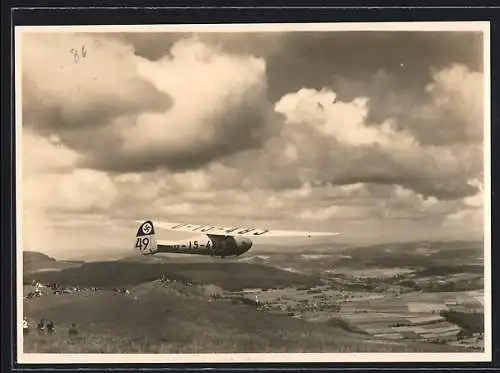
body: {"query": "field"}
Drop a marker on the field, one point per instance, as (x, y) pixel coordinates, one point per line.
(419, 316)
(251, 304)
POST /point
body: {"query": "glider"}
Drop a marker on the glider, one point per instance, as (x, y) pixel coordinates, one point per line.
(210, 239)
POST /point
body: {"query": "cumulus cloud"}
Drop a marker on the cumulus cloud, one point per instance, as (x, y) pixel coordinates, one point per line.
(128, 114)
(220, 108)
(446, 109)
(454, 112)
(343, 121)
(99, 110)
(337, 143)
(61, 94)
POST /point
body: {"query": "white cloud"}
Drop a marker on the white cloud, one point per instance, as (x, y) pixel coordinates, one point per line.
(333, 141)
(220, 107)
(460, 91)
(346, 122)
(452, 109)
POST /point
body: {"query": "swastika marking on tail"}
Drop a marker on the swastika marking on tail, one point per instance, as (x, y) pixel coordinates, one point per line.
(147, 228)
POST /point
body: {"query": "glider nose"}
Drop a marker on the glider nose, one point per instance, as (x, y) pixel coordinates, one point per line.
(245, 245)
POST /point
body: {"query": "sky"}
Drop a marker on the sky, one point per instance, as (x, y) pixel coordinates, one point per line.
(377, 135)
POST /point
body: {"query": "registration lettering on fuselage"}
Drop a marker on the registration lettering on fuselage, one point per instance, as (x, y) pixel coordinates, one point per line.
(192, 245)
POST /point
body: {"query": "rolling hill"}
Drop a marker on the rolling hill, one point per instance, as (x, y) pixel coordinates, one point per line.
(227, 275)
(34, 262)
(36, 257)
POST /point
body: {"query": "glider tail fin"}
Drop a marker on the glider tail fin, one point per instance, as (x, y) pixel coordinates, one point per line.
(145, 240)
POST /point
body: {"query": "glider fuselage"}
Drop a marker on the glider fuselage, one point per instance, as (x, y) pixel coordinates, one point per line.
(207, 245)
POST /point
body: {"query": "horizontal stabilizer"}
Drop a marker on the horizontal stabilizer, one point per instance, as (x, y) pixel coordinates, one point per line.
(238, 231)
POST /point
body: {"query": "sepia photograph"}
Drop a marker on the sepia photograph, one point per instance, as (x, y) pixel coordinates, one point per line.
(253, 193)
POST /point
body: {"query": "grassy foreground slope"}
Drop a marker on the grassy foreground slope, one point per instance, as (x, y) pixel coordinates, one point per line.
(152, 320)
